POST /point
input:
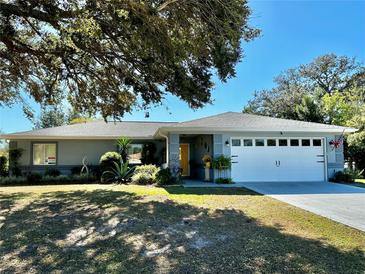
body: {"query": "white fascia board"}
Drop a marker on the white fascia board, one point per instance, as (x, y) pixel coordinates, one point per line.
(187, 130)
(32, 137)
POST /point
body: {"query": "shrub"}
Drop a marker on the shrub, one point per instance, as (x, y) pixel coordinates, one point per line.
(63, 179)
(120, 173)
(52, 172)
(142, 179)
(145, 175)
(14, 156)
(94, 171)
(83, 179)
(164, 177)
(13, 180)
(49, 179)
(107, 160)
(223, 181)
(347, 175)
(3, 166)
(222, 162)
(76, 170)
(34, 177)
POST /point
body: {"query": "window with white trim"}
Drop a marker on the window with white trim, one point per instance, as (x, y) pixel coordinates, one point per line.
(236, 142)
(259, 142)
(271, 142)
(306, 142)
(247, 142)
(44, 154)
(294, 142)
(283, 142)
(317, 142)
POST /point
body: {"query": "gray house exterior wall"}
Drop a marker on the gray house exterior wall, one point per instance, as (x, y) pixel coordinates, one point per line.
(71, 152)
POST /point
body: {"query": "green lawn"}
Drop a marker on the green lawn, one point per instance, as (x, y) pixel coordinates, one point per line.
(134, 229)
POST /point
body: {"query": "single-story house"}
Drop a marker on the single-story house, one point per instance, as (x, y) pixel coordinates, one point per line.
(261, 148)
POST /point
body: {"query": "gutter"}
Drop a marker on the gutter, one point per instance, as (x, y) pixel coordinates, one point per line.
(53, 137)
(188, 130)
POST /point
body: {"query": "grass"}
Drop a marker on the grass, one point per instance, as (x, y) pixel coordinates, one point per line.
(136, 229)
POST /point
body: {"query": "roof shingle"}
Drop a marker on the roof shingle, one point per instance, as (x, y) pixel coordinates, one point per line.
(147, 130)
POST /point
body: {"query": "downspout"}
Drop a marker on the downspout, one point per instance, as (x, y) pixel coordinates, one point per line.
(167, 147)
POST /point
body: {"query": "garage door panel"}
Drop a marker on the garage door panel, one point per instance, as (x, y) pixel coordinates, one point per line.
(275, 163)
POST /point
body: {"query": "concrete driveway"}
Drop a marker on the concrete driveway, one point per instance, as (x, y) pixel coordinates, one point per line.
(341, 203)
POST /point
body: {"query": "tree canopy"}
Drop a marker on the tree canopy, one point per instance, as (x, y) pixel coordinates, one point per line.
(54, 116)
(330, 89)
(50, 117)
(326, 74)
(113, 55)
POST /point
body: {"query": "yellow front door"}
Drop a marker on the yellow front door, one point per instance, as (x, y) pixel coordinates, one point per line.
(184, 159)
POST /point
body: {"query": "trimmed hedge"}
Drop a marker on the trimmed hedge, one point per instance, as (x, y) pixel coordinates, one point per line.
(37, 179)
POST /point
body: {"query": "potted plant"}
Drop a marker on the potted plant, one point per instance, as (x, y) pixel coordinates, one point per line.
(207, 160)
(222, 164)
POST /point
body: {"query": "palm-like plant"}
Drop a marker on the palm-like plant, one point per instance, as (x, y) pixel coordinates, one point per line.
(121, 173)
(123, 144)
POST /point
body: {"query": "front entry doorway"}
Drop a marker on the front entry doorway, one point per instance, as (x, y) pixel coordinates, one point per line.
(184, 159)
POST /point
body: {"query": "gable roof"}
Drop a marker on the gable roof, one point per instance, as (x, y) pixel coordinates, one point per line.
(228, 121)
(237, 121)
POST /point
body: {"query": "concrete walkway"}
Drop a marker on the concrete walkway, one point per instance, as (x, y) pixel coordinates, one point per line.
(341, 203)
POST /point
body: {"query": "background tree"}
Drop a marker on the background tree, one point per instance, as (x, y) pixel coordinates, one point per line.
(324, 75)
(54, 116)
(51, 116)
(109, 56)
(309, 110)
(348, 109)
(330, 89)
(330, 73)
(75, 117)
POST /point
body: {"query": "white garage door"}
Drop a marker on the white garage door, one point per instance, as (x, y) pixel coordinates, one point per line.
(277, 159)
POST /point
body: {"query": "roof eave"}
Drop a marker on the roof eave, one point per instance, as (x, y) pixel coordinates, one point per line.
(32, 137)
(235, 129)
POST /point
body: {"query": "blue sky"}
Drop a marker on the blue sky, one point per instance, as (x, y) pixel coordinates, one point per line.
(293, 33)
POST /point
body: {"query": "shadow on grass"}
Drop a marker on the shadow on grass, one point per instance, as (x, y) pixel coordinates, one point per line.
(7, 201)
(111, 231)
(209, 190)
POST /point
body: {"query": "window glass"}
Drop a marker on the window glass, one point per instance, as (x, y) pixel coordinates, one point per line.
(260, 142)
(294, 142)
(247, 142)
(306, 142)
(236, 142)
(44, 154)
(135, 153)
(271, 142)
(317, 142)
(283, 142)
